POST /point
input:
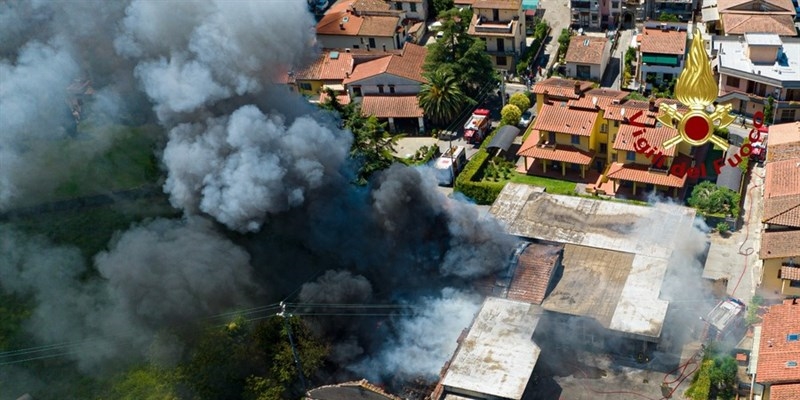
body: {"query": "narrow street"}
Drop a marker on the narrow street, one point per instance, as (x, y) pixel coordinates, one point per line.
(556, 13)
(612, 76)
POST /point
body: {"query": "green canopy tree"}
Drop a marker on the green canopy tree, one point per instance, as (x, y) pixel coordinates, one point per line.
(510, 115)
(462, 55)
(373, 146)
(520, 100)
(709, 198)
(441, 97)
(144, 383)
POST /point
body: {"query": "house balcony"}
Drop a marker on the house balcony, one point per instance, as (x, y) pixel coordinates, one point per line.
(503, 53)
(495, 28)
(585, 6)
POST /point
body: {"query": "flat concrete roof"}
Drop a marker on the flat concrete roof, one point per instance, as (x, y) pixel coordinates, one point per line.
(733, 60)
(762, 39)
(498, 355)
(616, 257)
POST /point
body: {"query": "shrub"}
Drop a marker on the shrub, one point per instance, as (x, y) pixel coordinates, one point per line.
(700, 388)
(467, 181)
(752, 309)
(511, 114)
(723, 228)
(520, 100)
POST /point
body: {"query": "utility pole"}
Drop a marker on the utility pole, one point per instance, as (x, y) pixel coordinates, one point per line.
(503, 90)
(291, 343)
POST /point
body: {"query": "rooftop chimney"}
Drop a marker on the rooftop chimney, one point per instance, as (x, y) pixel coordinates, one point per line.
(341, 25)
(652, 102)
(577, 87)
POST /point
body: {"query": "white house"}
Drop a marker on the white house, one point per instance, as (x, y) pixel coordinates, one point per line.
(587, 57)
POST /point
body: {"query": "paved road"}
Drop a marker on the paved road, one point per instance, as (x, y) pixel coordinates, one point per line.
(556, 13)
(611, 78)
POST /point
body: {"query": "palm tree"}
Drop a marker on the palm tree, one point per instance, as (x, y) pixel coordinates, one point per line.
(441, 98)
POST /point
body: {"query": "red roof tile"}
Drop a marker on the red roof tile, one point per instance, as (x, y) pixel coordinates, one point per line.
(629, 135)
(597, 99)
(775, 350)
(559, 87)
(739, 24)
(733, 5)
(784, 141)
(791, 273)
(533, 273)
(407, 65)
(391, 106)
(783, 210)
(656, 41)
(555, 153)
(562, 119)
(780, 244)
(499, 4)
(641, 174)
(330, 22)
(380, 26)
(586, 50)
(330, 65)
(344, 99)
(785, 392)
(782, 178)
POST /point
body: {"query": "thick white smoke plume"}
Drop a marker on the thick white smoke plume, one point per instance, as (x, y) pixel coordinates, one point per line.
(240, 150)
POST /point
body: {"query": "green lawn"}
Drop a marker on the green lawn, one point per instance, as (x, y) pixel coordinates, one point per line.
(552, 186)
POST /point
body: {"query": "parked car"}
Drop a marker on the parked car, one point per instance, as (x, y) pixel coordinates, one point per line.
(526, 119)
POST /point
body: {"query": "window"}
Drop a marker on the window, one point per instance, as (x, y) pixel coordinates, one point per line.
(787, 115)
(391, 88)
(501, 60)
(631, 156)
(604, 128)
(613, 157)
(791, 364)
(356, 91)
(398, 6)
(380, 88)
(594, 17)
(501, 44)
(603, 148)
(372, 42)
(305, 86)
(583, 71)
(413, 7)
(794, 284)
(732, 81)
(614, 4)
(495, 14)
(551, 136)
(576, 139)
(616, 124)
(793, 337)
(667, 78)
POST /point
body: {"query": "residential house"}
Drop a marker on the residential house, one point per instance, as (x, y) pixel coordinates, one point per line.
(328, 71)
(602, 14)
(775, 362)
(387, 87)
(587, 57)
(356, 24)
(682, 9)
(625, 13)
(586, 13)
(737, 17)
(780, 252)
(636, 157)
(557, 89)
(756, 66)
(416, 10)
(501, 25)
(568, 132)
(662, 51)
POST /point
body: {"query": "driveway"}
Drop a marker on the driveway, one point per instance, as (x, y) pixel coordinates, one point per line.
(611, 78)
(557, 14)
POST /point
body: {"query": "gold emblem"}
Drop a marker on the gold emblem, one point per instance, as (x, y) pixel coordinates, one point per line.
(696, 89)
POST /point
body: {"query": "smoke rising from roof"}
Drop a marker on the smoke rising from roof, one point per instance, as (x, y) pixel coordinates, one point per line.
(242, 152)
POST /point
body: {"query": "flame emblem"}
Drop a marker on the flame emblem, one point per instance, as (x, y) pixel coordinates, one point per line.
(696, 89)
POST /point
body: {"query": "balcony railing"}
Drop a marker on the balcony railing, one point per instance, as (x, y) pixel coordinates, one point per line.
(585, 5)
(495, 27)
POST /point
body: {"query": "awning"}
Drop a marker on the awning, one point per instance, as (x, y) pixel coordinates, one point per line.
(530, 4)
(334, 87)
(660, 59)
(710, 14)
(504, 138)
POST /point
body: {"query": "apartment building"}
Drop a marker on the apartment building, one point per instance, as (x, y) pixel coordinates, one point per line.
(362, 24)
(682, 9)
(662, 52)
(501, 25)
(601, 14)
(416, 10)
(756, 66)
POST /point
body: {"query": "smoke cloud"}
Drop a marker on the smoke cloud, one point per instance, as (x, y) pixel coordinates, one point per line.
(241, 151)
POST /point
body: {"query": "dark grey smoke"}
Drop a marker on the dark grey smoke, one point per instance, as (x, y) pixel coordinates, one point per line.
(244, 152)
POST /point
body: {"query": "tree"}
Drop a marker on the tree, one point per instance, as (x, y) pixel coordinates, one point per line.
(441, 97)
(441, 5)
(563, 43)
(723, 377)
(709, 198)
(373, 146)
(510, 114)
(461, 55)
(769, 109)
(520, 100)
(665, 17)
(144, 383)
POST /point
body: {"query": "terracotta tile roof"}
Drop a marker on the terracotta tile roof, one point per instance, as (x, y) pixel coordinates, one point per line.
(780, 244)
(648, 116)
(326, 67)
(785, 392)
(407, 65)
(555, 153)
(641, 174)
(731, 5)
(344, 99)
(653, 136)
(533, 273)
(775, 350)
(391, 106)
(663, 42)
(791, 273)
(596, 99)
(586, 50)
(379, 26)
(783, 210)
(559, 87)
(739, 24)
(783, 142)
(562, 119)
(782, 178)
(329, 24)
(499, 4)
(370, 5)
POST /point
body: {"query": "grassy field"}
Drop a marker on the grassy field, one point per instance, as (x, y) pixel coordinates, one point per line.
(552, 186)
